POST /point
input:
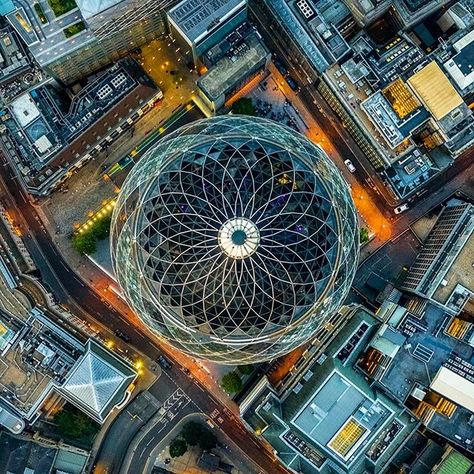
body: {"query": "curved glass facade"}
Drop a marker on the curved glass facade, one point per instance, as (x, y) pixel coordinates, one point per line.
(235, 238)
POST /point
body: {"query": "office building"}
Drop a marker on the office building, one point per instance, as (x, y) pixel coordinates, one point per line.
(405, 13)
(329, 419)
(453, 230)
(252, 252)
(43, 362)
(460, 66)
(245, 61)
(74, 43)
(47, 134)
(198, 26)
(39, 456)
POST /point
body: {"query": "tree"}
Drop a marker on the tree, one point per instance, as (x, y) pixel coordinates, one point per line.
(73, 423)
(244, 106)
(207, 440)
(364, 235)
(192, 432)
(245, 369)
(178, 447)
(84, 243)
(231, 382)
(101, 228)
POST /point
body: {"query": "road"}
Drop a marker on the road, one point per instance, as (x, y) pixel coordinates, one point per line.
(82, 300)
(177, 386)
(343, 142)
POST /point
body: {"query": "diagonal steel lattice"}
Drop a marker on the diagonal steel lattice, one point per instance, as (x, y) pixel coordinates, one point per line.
(235, 238)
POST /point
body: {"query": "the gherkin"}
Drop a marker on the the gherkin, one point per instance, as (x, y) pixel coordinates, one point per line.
(235, 238)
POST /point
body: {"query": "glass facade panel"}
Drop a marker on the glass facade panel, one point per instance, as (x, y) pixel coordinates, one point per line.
(235, 238)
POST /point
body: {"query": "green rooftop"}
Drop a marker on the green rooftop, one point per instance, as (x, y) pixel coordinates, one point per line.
(454, 463)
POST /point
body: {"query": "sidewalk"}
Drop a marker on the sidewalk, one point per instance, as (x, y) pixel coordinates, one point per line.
(101, 282)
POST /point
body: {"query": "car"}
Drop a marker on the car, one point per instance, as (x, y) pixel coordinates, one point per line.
(122, 335)
(292, 83)
(280, 67)
(164, 362)
(400, 209)
(350, 166)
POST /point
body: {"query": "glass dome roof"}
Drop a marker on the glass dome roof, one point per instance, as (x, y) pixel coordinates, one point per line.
(235, 238)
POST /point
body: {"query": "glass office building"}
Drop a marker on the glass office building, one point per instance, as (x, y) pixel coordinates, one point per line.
(235, 238)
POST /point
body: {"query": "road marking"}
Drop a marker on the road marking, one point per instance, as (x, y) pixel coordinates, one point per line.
(65, 267)
(198, 386)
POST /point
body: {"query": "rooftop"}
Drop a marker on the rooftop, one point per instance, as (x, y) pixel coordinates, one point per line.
(329, 417)
(90, 8)
(22, 456)
(435, 90)
(294, 26)
(42, 357)
(418, 361)
(454, 386)
(339, 416)
(394, 128)
(460, 273)
(461, 66)
(13, 59)
(411, 171)
(234, 66)
(454, 463)
(51, 130)
(195, 18)
(98, 381)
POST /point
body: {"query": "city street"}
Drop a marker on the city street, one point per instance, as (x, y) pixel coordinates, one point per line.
(186, 395)
(82, 300)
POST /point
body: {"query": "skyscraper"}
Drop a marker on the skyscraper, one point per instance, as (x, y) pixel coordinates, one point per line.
(73, 43)
(235, 238)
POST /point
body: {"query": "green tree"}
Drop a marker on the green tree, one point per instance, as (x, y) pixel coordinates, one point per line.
(207, 440)
(244, 106)
(178, 447)
(73, 423)
(192, 432)
(101, 228)
(84, 243)
(364, 235)
(245, 369)
(231, 382)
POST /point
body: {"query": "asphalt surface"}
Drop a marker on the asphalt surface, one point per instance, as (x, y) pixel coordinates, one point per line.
(200, 401)
(124, 428)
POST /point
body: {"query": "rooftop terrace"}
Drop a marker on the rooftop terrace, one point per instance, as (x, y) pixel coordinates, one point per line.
(234, 66)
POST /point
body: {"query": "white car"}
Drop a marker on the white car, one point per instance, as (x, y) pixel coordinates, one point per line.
(400, 209)
(350, 166)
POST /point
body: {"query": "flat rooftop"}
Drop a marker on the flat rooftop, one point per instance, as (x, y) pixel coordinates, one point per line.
(231, 68)
(339, 416)
(435, 90)
(331, 413)
(411, 171)
(460, 273)
(426, 350)
(196, 17)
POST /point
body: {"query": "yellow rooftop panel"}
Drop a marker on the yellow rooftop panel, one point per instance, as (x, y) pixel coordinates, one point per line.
(435, 90)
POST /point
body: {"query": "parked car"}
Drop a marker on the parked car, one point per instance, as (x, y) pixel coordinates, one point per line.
(292, 83)
(350, 166)
(164, 362)
(400, 209)
(122, 336)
